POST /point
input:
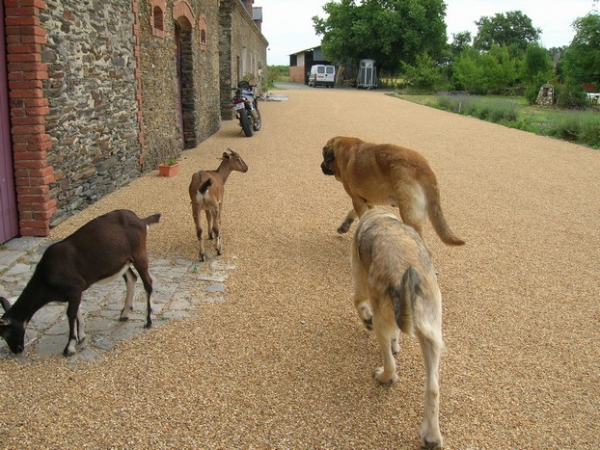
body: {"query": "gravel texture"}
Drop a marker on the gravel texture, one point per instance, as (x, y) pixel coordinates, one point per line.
(284, 362)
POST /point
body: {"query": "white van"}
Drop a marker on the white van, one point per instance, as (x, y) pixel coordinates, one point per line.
(321, 75)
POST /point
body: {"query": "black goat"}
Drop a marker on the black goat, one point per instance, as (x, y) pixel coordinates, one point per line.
(100, 250)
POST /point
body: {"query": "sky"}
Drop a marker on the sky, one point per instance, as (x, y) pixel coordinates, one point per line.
(288, 26)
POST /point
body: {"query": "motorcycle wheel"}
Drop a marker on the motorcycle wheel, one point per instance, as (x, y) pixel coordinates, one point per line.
(257, 122)
(246, 123)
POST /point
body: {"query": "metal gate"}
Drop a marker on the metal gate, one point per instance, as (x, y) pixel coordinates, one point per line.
(9, 219)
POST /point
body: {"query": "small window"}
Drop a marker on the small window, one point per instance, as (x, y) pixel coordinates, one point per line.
(158, 19)
(330, 69)
(202, 27)
(321, 69)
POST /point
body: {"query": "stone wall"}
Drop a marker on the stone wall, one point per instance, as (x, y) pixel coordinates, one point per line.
(171, 120)
(91, 91)
(103, 90)
(246, 50)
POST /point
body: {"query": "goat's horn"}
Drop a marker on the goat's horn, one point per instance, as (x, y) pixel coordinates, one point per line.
(230, 150)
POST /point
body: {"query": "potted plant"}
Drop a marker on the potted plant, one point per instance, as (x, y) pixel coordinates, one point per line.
(168, 168)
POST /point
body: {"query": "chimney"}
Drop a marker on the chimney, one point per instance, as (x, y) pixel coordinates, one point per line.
(257, 17)
(249, 6)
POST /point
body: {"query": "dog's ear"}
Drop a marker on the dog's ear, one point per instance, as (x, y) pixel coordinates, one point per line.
(328, 155)
(328, 151)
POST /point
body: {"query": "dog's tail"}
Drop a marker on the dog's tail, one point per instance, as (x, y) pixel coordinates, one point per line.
(404, 296)
(436, 216)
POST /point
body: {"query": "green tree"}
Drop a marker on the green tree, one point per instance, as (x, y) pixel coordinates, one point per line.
(536, 69)
(460, 41)
(426, 73)
(513, 30)
(500, 70)
(391, 32)
(536, 63)
(468, 73)
(582, 58)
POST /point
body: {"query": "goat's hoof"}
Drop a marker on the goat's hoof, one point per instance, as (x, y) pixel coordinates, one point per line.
(123, 319)
(81, 341)
(148, 325)
(68, 352)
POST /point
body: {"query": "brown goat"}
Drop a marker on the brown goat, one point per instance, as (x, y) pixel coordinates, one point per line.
(100, 250)
(206, 193)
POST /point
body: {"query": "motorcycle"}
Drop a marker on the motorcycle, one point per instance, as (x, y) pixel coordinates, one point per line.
(245, 105)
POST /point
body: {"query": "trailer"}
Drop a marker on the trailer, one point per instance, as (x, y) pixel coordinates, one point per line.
(367, 74)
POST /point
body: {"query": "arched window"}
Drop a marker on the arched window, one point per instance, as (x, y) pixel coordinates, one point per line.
(157, 18)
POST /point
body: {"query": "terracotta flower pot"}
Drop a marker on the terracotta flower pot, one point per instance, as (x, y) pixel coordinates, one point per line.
(166, 170)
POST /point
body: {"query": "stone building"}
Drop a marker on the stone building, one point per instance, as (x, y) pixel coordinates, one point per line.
(97, 93)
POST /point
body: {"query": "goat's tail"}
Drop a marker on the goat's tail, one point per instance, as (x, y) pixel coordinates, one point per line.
(404, 297)
(204, 186)
(151, 220)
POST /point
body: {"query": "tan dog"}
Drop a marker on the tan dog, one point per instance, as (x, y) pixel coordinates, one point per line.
(396, 289)
(387, 174)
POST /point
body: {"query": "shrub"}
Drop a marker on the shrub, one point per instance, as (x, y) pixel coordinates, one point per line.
(571, 97)
(503, 111)
(581, 127)
(482, 111)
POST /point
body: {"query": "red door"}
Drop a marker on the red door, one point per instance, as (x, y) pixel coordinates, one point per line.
(9, 220)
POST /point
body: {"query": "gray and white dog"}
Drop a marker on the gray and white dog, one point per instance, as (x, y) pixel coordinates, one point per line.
(396, 289)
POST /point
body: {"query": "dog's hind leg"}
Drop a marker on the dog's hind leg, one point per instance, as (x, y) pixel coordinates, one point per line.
(396, 344)
(431, 346)
(361, 291)
(412, 205)
(386, 331)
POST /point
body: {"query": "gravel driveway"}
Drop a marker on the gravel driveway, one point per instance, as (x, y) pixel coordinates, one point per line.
(285, 363)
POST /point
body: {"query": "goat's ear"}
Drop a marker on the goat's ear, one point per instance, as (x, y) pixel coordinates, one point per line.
(226, 155)
(5, 303)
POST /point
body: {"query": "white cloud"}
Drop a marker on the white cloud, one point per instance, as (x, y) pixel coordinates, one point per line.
(288, 26)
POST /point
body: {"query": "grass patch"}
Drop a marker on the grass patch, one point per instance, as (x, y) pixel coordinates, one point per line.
(581, 127)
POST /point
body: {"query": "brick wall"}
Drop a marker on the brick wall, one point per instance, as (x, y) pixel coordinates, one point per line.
(25, 38)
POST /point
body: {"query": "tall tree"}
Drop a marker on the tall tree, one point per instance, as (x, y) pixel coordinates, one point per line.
(460, 41)
(582, 57)
(513, 30)
(536, 64)
(391, 32)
